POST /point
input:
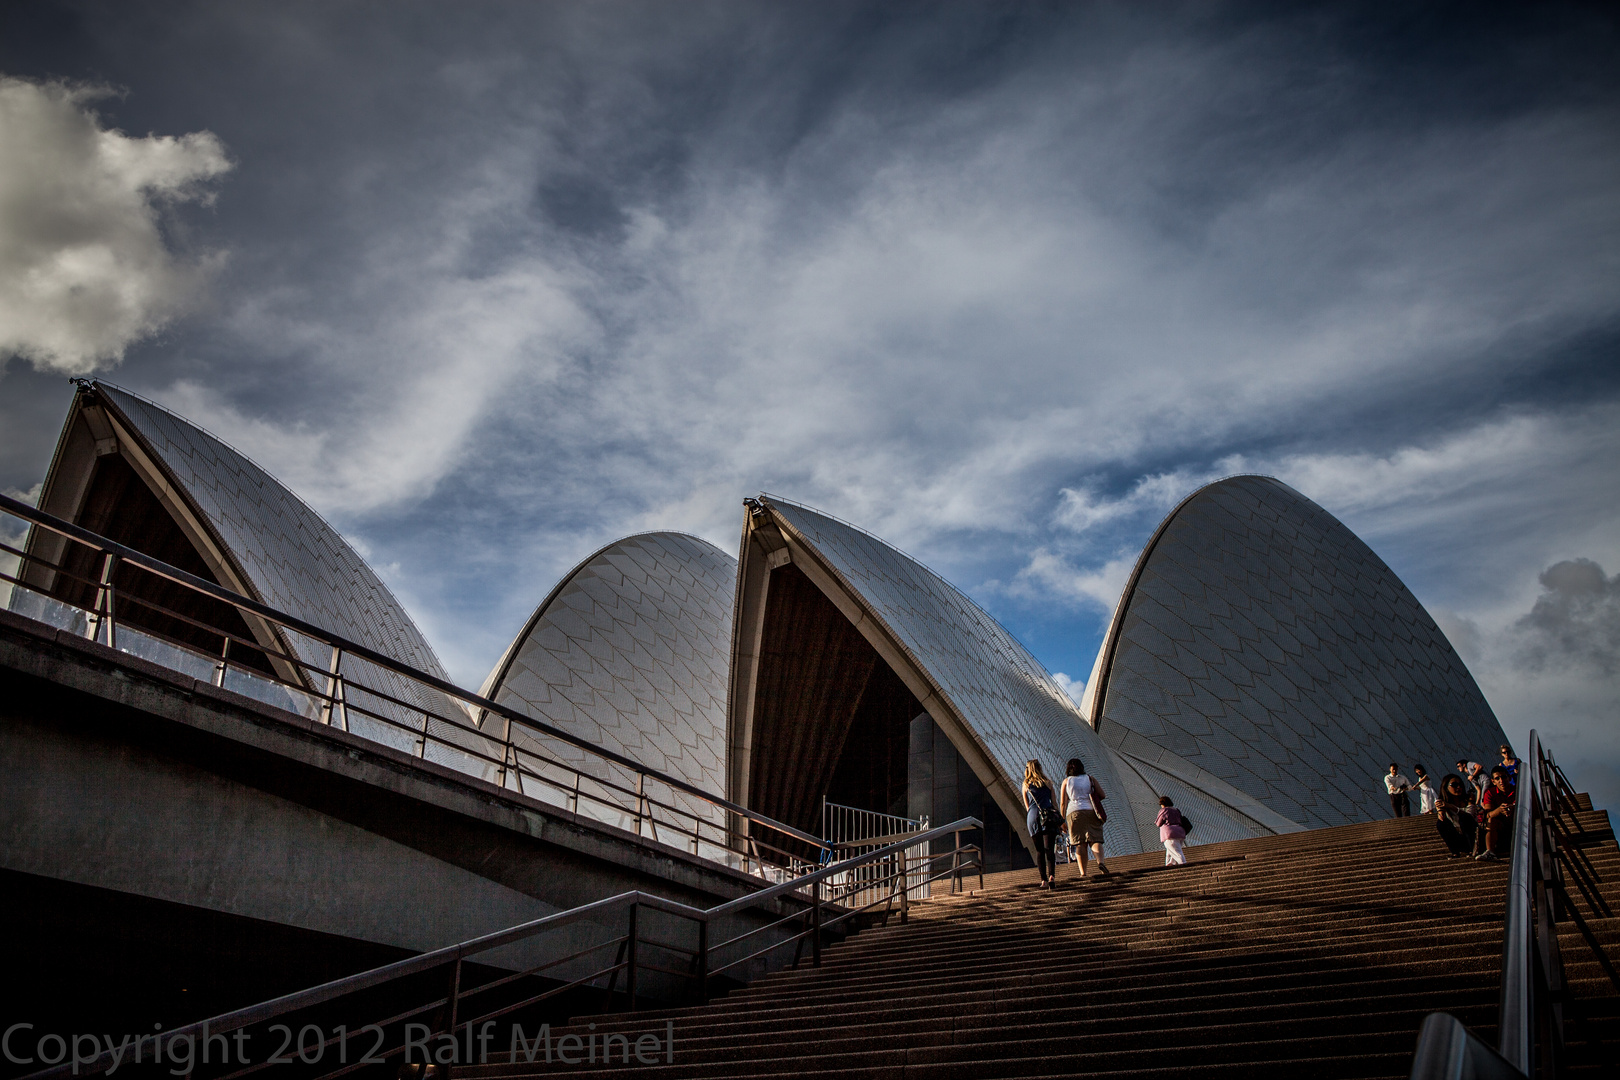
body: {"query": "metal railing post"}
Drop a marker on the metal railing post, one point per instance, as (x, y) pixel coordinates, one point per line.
(112, 621)
(641, 798)
(223, 664)
(956, 865)
(1550, 966)
(508, 750)
(101, 610)
(905, 893)
(342, 708)
(329, 707)
(630, 958)
(452, 1005)
(702, 959)
(815, 925)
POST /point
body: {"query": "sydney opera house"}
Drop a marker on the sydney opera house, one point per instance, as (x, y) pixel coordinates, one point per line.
(1261, 667)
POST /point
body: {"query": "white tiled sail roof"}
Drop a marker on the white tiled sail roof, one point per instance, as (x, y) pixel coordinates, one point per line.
(630, 652)
(1263, 642)
(1005, 696)
(293, 559)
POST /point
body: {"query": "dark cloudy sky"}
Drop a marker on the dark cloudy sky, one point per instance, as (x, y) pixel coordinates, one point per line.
(492, 284)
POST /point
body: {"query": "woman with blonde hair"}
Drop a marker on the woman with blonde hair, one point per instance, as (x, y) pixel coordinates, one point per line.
(1040, 803)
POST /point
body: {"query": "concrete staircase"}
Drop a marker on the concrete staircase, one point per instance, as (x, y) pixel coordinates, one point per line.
(1311, 955)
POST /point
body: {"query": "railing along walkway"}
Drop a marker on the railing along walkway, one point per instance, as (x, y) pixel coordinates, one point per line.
(344, 684)
(447, 1011)
(849, 829)
(1548, 839)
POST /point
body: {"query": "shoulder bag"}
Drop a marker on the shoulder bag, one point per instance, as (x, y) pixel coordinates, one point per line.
(1051, 820)
(1096, 805)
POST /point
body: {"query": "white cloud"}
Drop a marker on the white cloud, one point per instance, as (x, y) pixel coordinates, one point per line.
(1485, 458)
(1080, 508)
(927, 354)
(1048, 577)
(931, 312)
(1075, 690)
(451, 349)
(84, 270)
(925, 315)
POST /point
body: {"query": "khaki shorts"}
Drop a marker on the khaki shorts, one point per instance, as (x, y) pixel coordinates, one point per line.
(1084, 827)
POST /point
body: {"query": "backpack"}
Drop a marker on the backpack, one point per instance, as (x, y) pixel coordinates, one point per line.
(1045, 814)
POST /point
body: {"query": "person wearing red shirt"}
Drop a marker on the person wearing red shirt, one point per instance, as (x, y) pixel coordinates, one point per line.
(1496, 809)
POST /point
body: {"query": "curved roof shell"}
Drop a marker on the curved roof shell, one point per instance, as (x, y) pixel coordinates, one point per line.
(286, 553)
(258, 538)
(998, 705)
(630, 651)
(1261, 646)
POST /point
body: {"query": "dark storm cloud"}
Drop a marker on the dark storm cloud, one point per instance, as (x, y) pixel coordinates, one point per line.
(1575, 623)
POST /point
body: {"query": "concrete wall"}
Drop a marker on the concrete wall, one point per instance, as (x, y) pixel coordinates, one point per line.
(120, 775)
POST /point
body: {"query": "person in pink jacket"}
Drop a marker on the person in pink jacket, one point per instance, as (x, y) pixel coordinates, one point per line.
(1173, 832)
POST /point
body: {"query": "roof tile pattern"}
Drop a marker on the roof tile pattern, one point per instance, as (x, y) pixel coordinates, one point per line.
(1266, 644)
(631, 652)
(295, 562)
(1012, 704)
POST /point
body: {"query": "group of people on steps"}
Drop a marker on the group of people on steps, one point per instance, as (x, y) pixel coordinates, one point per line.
(1473, 812)
(1473, 809)
(1075, 808)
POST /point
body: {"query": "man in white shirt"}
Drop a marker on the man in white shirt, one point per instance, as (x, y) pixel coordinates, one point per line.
(1397, 786)
(1474, 773)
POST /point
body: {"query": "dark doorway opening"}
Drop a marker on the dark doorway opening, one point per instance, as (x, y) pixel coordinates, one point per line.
(833, 722)
(120, 506)
(831, 719)
(871, 769)
(944, 788)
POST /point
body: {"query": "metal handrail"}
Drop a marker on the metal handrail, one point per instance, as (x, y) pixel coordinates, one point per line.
(1447, 1050)
(850, 828)
(1515, 1011)
(633, 901)
(336, 699)
(1532, 968)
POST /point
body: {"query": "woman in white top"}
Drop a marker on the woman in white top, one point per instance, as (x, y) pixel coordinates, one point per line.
(1427, 796)
(1085, 825)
